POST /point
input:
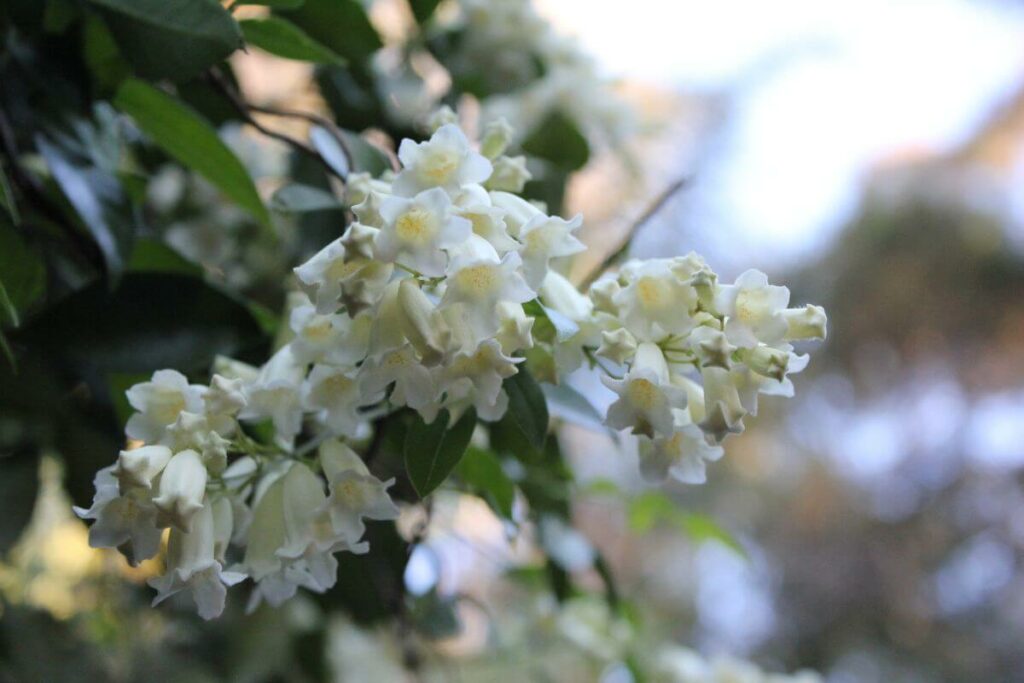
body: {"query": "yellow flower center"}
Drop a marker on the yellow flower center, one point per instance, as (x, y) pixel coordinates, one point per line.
(438, 166)
(167, 405)
(643, 394)
(318, 330)
(750, 303)
(415, 226)
(479, 280)
(653, 292)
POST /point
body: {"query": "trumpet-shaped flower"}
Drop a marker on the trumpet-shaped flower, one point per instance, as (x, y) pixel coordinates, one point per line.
(159, 402)
(126, 522)
(444, 161)
(417, 230)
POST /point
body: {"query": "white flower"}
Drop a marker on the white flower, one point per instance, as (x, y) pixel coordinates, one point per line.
(222, 402)
(182, 488)
(194, 432)
(510, 174)
(755, 310)
(159, 401)
(122, 520)
(421, 323)
(497, 135)
(479, 281)
(489, 223)
(334, 393)
(645, 397)
(806, 322)
(655, 302)
(518, 211)
(722, 407)
(444, 161)
(416, 231)
(275, 394)
(336, 338)
(683, 454)
(355, 493)
(544, 238)
(618, 346)
(476, 376)
(415, 385)
(139, 466)
(191, 565)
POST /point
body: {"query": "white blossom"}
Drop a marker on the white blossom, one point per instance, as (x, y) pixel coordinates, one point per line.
(159, 402)
(444, 161)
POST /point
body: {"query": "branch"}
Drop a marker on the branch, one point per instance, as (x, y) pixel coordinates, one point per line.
(616, 255)
(245, 110)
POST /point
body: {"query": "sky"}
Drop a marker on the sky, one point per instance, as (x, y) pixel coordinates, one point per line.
(821, 92)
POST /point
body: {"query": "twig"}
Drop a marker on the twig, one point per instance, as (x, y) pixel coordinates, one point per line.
(245, 110)
(655, 206)
(322, 121)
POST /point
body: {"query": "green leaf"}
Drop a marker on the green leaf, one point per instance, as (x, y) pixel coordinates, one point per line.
(152, 321)
(481, 471)
(22, 275)
(527, 407)
(187, 137)
(423, 9)
(153, 256)
(19, 485)
(558, 140)
(276, 4)
(101, 55)
(340, 25)
(298, 198)
(652, 508)
(98, 200)
(7, 198)
(174, 39)
(433, 450)
(283, 38)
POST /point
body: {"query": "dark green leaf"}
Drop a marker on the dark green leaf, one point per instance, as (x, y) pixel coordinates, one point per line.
(433, 450)
(297, 198)
(283, 38)
(19, 484)
(184, 135)
(98, 199)
(373, 588)
(341, 25)
(152, 321)
(22, 274)
(423, 9)
(366, 157)
(101, 56)
(559, 141)
(436, 616)
(174, 39)
(153, 256)
(276, 4)
(527, 407)
(7, 198)
(481, 471)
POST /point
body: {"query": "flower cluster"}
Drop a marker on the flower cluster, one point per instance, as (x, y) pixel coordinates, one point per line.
(696, 354)
(429, 301)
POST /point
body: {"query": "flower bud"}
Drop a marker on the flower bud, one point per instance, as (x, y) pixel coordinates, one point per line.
(764, 360)
(723, 410)
(424, 330)
(139, 466)
(509, 175)
(441, 117)
(712, 347)
(182, 487)
(617, 346)
(807, 322)
(497, 135)
(603, 292)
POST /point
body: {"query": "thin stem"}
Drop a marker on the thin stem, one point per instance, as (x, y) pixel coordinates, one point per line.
(322, 121)
(617, 254)
(245, 110)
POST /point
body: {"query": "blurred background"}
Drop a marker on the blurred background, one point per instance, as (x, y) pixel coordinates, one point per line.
(869, 154)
